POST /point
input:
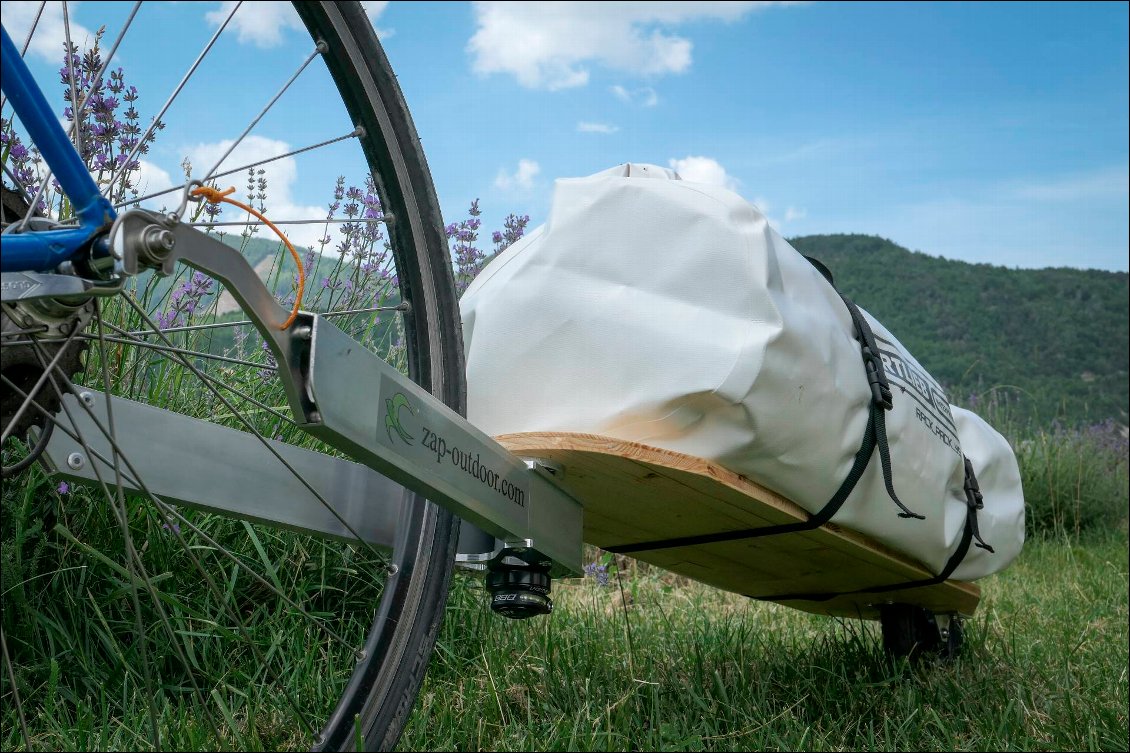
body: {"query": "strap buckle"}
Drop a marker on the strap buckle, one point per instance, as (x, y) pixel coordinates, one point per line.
(877, 379)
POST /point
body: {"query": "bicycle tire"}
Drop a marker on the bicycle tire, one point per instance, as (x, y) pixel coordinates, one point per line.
(383, 686)
(386, 690)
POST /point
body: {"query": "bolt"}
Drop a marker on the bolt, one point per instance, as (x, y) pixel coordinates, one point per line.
(88, 398)
(76, 461)
(159, 240)
(393, 569)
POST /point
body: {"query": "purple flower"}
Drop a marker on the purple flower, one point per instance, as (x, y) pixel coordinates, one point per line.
(63, 488)
(598, 571)
(171, 523)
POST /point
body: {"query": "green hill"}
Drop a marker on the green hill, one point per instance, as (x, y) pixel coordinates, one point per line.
(1052, 342)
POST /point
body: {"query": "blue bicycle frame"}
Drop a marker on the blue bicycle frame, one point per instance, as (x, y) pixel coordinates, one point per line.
(44, 251)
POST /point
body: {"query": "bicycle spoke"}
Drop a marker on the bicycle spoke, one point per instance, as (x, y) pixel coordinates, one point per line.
(76, 132)
(18, 185)
(355, 133)
(339, 221)
(15, 689)
(39, 384)
(208, 377)
(184, 546)
(172, 97)
(253, 590)
(27, 41)
(31, 31)
(123, 522)
(185, 352)
(255, 121)
(102, 71)
(263, 440)
(403, 306)
(163, 507)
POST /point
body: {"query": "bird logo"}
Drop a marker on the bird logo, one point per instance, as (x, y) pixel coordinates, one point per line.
(392, 416)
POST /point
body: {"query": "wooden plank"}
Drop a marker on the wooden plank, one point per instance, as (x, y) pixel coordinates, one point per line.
(633, 493)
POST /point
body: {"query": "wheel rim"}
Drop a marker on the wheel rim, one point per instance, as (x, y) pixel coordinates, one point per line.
(267, 594)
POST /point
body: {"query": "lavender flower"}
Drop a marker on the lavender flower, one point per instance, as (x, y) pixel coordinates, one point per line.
(185, 300)
(598, 571)
(469, 259)
(171, 523)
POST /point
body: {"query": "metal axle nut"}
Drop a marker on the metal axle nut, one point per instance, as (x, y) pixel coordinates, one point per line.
(158, 240)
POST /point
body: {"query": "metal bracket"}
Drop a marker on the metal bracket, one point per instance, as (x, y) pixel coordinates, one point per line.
(354, 401)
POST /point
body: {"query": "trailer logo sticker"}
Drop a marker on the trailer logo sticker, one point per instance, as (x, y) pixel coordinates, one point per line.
(392, 416)
(933, 410)
(418, 432)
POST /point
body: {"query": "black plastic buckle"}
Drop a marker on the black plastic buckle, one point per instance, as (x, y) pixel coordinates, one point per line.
(973, 496)
(880, 389)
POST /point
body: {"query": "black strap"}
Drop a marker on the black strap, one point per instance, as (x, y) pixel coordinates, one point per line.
(974, 502)
(880, 396)
(874, 436)
(862, 458)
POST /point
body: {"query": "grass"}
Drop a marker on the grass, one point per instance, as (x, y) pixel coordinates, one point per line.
(1045, 668)
(651, 662)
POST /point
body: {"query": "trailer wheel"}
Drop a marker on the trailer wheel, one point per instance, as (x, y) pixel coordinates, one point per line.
(915, 632)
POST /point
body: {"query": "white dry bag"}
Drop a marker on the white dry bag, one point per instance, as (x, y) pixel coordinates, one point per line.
(670, 313)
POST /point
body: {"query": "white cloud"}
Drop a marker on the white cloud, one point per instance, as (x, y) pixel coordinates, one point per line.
(703, 170)
(263, 23)
(644, 96)
(522, 178)
(374, 9)
(50, 33)
(778, 223)
(260, 23)
(587, 127)
(554, 45)
(152, 178)
(281, 177)
(709, 170)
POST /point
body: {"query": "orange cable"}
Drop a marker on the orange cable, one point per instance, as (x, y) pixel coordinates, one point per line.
(215, 196)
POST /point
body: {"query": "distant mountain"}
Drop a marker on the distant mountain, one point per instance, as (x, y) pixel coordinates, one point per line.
(1054, 340)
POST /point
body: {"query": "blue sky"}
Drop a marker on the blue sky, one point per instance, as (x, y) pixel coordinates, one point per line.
(994, 133)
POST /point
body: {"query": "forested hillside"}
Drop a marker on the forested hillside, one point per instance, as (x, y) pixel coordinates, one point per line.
(1054, 340)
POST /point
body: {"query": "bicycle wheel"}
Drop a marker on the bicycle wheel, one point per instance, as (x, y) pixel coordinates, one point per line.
(131, 621)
